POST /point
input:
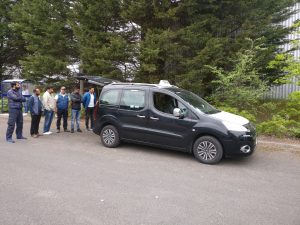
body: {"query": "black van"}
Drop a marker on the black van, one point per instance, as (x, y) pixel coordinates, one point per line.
(169, 117)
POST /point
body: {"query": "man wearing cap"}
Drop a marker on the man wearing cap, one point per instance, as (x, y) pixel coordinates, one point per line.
(15, 100)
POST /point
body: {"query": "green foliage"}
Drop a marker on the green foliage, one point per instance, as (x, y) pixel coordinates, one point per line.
(279, 127)
(241, 87)
(104, 41)
(288, 63)
(48, 39)
(179, 38)
(285, 117)
(292, 111)
(11, 45)
(145, 39)
(5, 105)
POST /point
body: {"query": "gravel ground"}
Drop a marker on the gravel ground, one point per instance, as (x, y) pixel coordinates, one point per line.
(71, 179)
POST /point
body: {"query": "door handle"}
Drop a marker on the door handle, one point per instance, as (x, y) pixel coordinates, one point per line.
(141, 116)
(153, 118)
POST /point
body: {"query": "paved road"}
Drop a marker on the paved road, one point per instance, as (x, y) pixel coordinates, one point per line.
(71, 179)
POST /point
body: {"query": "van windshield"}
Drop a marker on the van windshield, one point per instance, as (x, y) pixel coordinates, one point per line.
(195, 101)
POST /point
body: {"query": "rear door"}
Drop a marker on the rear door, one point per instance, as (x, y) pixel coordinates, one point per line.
(133, 113)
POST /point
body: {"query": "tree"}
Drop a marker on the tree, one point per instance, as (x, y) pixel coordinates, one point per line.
(289, 63)
(104, 40)
(11, 45)
(179, 38)
(241, 87)
(48, 39)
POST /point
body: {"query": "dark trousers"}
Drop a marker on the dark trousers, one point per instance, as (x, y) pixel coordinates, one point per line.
(62, 113)
(15, 118)
(35, 123)
(89, 114)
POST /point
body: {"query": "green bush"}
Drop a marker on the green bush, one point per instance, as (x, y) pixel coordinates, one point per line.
(280, 127)
(279, 118)
(5, 105)
(292, 110)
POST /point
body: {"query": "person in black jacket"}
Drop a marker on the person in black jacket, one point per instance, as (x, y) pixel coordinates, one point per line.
(76, 101)
(35, 107)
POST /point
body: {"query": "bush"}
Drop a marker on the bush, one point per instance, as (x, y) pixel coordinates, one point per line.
(292, 110)
(242, 87)
(275, 117)
(5, 105)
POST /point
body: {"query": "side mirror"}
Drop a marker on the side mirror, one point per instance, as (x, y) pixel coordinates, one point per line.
(178, 113)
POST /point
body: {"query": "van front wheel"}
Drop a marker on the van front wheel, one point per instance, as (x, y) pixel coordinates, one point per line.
(110, 136)
(208, 150)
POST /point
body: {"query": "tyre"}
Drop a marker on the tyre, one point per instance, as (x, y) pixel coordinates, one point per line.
(110, 136)
(208, 150)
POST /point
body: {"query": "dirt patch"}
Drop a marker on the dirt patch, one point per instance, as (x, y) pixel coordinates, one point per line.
(272, 144)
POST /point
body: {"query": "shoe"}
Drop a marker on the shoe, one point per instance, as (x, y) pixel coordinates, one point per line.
(58, 131)
(10, 140)
(24, 138)
(91, 129)
(47, 133)
(72, 130)
(78, 130)
(40, 135)
(35, 136)
(66, 130)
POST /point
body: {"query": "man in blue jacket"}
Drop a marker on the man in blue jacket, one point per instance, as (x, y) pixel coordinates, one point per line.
(89, 103)
(62, 107)
(15, 100)
(35, 107)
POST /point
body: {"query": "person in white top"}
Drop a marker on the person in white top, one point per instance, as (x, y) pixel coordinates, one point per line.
(49, 106)
(89, 102)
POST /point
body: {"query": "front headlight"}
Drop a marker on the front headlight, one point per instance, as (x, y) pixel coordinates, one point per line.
(234, 127)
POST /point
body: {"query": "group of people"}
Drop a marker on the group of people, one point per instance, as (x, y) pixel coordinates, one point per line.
(49, 104)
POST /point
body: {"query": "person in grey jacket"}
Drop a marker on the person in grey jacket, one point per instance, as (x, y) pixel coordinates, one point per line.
(15, 100)
(76, 101)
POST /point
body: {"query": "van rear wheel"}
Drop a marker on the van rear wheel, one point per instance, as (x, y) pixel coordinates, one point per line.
(208, 150)
(110, 136)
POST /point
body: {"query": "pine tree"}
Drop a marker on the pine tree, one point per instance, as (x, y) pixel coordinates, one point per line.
(104, 40)
(11, 45)
(48, 39)
(180, 38)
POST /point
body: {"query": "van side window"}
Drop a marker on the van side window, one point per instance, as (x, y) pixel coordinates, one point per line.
(133, 99)
(110, 97)
(166, 104)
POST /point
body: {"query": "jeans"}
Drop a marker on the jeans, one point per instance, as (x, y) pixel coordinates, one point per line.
(25, 104)
(48, 120)
(89, 114)
(62, 113)
(75, 117)
(15, 118)
(35, 123)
